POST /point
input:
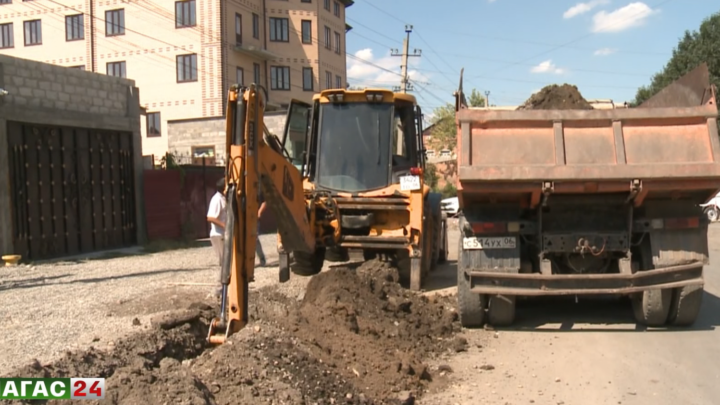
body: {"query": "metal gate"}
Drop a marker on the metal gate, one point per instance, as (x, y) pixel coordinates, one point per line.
(72, 190)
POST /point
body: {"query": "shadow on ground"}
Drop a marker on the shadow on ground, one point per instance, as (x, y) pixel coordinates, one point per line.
(589, 314)
(43, 281)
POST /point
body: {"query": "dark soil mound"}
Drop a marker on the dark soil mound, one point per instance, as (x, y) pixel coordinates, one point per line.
(356, 337)
(554, 97)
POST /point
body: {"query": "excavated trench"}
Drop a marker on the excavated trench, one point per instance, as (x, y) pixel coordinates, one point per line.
(356, 337)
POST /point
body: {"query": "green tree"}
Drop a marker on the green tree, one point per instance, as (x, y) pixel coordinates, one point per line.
(693, 49)
(444, 133)
(449, 190)
(430, 176)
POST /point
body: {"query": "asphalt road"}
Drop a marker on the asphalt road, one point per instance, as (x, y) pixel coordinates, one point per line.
(587, 352)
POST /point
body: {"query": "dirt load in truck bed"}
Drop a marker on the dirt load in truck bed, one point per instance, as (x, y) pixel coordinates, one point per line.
(554, 97)
(354, 337)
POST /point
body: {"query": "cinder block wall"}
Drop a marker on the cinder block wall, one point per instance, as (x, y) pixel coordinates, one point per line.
(184, 134)
(46, 94)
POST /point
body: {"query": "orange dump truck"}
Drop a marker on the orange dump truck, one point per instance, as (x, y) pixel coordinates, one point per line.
(588, 202)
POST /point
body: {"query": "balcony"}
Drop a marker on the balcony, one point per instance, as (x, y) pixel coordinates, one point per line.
(255, 51)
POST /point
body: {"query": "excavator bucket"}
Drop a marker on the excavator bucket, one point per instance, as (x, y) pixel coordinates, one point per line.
(691, 90)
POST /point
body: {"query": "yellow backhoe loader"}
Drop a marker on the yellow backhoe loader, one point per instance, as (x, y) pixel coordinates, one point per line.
(347, 174)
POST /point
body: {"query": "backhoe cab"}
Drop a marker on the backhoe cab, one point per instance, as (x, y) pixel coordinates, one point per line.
(364, 149)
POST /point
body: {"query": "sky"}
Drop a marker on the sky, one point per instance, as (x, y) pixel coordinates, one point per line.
(513, 48)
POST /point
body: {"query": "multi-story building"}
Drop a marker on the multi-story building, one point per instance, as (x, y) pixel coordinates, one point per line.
(184, 55)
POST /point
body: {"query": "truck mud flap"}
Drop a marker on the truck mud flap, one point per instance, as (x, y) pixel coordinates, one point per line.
(588, 284)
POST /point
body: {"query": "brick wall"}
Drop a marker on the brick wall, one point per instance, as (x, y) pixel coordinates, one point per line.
(45, 94)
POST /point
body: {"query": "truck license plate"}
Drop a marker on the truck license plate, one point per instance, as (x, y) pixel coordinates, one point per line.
(409, 183)
(505, 242)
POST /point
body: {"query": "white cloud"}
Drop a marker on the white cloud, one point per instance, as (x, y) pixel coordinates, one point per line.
(604, 51)
(369, 71)
(547, 67)
(582, 8)
(632, 15)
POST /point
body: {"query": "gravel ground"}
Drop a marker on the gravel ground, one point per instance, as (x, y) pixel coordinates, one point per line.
(53, 307)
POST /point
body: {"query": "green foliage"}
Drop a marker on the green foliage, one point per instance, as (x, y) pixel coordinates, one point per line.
(693, 49)
(449, 190)
(444, 133)
(430, 176)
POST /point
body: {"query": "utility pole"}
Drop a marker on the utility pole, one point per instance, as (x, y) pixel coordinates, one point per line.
(487, 98)
(405, 85)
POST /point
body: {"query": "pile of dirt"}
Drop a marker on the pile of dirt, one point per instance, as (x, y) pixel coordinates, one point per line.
(356, 337)
(554, 97)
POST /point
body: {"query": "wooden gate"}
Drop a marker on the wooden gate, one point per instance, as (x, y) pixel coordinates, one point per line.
(72, 190)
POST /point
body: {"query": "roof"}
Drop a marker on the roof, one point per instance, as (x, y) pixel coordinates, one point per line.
(347, 3)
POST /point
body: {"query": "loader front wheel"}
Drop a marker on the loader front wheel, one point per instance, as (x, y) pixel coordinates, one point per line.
(308, 264)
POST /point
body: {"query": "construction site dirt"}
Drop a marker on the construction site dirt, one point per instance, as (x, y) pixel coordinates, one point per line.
(354, 337)
(557, 97)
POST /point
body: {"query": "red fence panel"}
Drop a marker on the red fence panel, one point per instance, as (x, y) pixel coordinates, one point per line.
(162, 204)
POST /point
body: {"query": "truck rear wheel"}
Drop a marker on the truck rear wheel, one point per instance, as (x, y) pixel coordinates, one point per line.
(651, 307)
(471, 306)
(685, 305)
(501, 310)
(308, 264)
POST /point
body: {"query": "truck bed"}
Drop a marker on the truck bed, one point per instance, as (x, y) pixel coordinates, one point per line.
(619, 144)
(655, 151)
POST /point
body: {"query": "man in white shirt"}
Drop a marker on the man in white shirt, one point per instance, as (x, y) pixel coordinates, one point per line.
(217, 216)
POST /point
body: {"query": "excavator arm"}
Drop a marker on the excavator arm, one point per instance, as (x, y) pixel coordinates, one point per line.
(256, 161)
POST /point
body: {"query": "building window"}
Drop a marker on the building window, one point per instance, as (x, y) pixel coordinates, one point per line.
(279, 77)
(306, 32)
(336, 9)
(33, 32)
(116, 69)
(153, 124)
(203, 155)
(256, 26)
(327, 5)
(185, 14)
(307, 79)
(279, 30)
(338, 82)
(328, 80)
(256, 73)
(74, 27)
(5, 1)
(337, 43)
(305, 1)
(240, 76)
(7, 40)
(115, 22)
(327, 38)
(186, 68)
(238, 29)
(78, 67)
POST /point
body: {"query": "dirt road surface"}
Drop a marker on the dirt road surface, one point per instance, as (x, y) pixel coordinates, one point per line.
(337, 342)
(589, 352)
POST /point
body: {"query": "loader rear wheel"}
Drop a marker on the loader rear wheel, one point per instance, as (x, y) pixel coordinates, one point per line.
(652, 307)
(308, 264)
(501, 310)
(471, 306)
(337, 254)
(685, 305)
